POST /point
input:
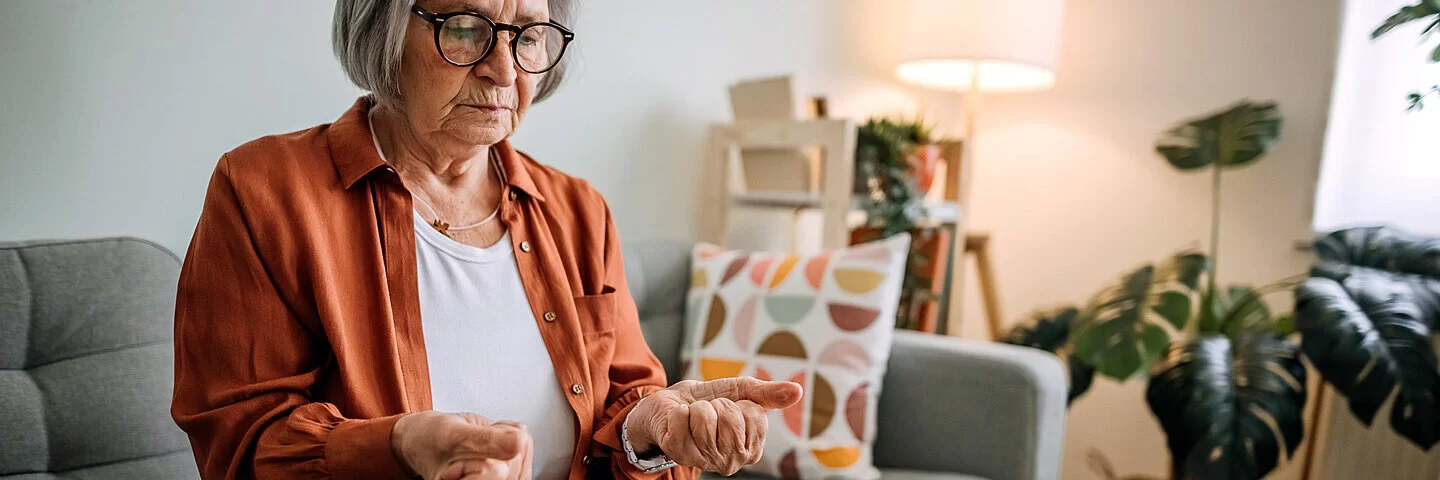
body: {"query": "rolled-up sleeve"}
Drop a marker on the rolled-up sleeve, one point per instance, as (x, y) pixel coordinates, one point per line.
(245, 364)
(634, 370)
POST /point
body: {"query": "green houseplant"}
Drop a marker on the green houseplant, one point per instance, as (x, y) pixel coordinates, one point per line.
(1220, 371)
(1225, 381)
(886, 184)
(1367, 317)
(889, 196)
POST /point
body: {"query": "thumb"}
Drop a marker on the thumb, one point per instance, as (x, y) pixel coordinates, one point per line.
(499, 442)
(777, 395)
(768, 395)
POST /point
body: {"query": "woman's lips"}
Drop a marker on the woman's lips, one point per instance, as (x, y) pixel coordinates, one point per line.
(490, 110)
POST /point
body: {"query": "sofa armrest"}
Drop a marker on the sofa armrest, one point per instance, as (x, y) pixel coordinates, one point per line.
(977, 408)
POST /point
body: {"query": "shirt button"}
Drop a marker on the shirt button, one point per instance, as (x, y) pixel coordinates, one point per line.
(549, 316)
(525, 247)
(577, 389)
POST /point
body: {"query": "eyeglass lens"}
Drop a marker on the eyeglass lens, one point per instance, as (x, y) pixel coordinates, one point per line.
(464, 39)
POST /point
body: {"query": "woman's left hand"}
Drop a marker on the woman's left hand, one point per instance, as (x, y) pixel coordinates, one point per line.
(717, 426)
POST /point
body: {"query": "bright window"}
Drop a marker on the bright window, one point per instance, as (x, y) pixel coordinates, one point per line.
(1381, 163)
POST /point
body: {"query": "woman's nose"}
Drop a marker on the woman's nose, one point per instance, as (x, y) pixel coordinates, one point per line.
(500, 66)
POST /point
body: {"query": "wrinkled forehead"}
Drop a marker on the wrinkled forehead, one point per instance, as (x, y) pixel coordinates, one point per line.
(517, 12)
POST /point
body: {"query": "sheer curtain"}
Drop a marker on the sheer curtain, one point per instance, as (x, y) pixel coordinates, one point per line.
(1381, 163)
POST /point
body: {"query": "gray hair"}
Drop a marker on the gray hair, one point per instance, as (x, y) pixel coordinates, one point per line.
(369, 38)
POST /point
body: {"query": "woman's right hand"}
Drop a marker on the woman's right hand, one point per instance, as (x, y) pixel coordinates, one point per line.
(461, 446)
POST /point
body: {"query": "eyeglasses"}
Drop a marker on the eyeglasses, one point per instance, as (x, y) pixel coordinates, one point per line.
(465, 39)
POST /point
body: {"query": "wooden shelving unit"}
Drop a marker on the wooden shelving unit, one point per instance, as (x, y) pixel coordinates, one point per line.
(723, 189)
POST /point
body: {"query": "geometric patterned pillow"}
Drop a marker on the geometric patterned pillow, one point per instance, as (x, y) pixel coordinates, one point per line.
(824, 321)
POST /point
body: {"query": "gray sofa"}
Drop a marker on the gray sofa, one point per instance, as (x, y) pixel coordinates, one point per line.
(86, 362)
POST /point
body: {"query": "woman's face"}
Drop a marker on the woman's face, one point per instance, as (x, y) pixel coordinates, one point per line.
(476, 105)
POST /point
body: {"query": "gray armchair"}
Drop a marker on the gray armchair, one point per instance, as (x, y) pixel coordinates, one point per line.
(86, 361)
(949, 408)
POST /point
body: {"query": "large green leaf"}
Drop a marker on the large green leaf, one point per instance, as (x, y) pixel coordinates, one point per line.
(1217, 400)
(1406, 15)
(1383, 248)
(1124, 326)
(1049, 330)
(1368, 333)
(1236, 136)
(1235, 310)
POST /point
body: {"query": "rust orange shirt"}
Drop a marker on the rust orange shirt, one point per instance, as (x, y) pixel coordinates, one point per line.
(297, 324)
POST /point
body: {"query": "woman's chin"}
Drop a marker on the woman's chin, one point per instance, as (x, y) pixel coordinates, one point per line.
(481, 134)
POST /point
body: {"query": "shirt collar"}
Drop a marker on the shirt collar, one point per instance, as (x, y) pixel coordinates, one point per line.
(352, 149)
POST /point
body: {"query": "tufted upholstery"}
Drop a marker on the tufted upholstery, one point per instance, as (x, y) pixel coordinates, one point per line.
(86, 363)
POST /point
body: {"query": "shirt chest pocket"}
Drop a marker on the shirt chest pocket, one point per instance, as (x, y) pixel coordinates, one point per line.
(596, 314)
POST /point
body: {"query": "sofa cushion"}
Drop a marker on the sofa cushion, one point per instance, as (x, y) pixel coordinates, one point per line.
(86, 363)
(658, 273)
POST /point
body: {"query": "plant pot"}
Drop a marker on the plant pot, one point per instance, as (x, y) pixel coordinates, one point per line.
(924, 160)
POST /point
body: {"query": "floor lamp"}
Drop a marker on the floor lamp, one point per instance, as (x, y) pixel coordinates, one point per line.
(976, 46)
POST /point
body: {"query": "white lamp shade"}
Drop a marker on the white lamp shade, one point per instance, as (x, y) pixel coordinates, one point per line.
(1015, 44)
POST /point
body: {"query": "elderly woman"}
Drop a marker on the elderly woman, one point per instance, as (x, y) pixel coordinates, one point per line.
(401, 293)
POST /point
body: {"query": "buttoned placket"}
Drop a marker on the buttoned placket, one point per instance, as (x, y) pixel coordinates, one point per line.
(547, 302)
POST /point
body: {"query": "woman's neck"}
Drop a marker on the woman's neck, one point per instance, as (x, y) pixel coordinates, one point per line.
(428, 163)
(456, 182)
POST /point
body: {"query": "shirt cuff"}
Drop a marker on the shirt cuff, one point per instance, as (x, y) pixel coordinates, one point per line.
(361, 449)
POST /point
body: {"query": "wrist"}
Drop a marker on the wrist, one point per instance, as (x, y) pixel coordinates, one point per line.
(637, 428)
(399, 442)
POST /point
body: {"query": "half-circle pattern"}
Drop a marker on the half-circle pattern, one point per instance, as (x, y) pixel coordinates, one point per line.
(783, 271)
(788, 309)
(852, 318)
(783, 344)
(822, 406)
(846, 354)
(718, 368)
(858, 281)
(715, 322)
(815, 269)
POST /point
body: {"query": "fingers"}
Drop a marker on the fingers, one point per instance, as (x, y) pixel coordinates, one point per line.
(675, 438)
(476, 469)
(730, 434)
(500, 442)
(521, 466)
(719, 435)
(757, 424)
(769, 395)
(703, 420)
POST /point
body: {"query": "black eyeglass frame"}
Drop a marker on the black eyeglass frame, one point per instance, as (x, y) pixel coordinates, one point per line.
(437, 20)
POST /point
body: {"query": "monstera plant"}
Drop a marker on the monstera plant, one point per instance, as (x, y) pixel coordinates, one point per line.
(1366, 316)
(1225, 384)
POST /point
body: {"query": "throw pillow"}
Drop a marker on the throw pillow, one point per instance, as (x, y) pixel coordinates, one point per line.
(824, 321)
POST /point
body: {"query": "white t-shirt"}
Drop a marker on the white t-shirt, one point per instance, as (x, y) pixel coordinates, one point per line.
(484, 347)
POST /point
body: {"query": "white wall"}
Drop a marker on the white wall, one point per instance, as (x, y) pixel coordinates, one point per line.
(1380, 164)
(113, 114)
(122, 140)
